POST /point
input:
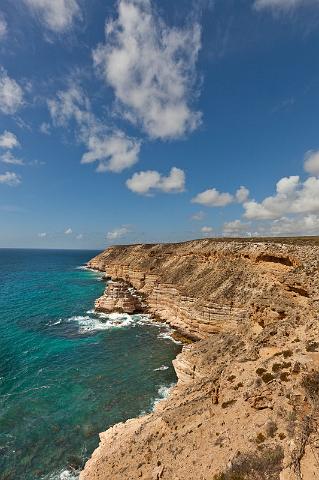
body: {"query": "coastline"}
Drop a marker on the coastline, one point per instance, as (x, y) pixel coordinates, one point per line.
(216, 410)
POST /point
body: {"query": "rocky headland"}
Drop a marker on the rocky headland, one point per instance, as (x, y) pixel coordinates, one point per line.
(246, 405)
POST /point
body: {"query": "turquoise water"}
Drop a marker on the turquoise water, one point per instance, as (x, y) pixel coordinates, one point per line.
(67, 374)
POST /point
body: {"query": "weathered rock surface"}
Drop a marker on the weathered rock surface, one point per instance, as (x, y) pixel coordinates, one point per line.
(246, 405)
(118, 298)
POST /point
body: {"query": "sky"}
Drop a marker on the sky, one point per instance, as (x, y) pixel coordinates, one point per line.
(157, 121)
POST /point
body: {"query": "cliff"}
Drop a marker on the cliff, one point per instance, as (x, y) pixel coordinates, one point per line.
(246, 402)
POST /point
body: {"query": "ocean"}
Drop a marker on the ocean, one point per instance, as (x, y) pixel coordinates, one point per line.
(66, 373)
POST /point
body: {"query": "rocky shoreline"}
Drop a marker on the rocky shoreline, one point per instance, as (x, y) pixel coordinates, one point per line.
(246, 402)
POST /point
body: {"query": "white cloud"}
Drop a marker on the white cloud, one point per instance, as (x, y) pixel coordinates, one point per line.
(10, 178)
(10, 159)
(68, 231)
(151, 68)
(3, 27)
(213, 198)
(114, 152)
(242, 194)
(117, 233)
(198, 216)
(311, 164)
(45, 128)
(300, 225)
(42, 235)
(71, 104)
(57, 15)
(143, 182)
(207, 230)
(292, 197)
(79, 236)
(292, 210)
(11, 94)
(8, 140)
(234, 228)
(281, 4)
(149, 181)
(112, 149)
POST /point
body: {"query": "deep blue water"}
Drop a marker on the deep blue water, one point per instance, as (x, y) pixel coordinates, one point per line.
(67, 374)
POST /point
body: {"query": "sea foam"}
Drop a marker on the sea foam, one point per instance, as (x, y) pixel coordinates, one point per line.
(113, 320)
(159, 369)
(63, 475)
(162, 394)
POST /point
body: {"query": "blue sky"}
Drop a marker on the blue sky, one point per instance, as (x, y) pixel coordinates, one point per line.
(141, 121)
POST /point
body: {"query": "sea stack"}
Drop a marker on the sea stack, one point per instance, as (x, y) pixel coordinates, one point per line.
(118, 298)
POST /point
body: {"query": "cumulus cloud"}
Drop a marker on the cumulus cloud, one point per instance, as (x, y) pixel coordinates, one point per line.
(242, 194)
(71, 104)
(207, 231)
(117, 233)
(111, 148)
(10, 178)
(11, 94)
(294, 208)
(151, 68)
(300, 225)
(150, 181)
(57, 15)
(235, 228)
(311, 164)
(42, 235)
(114, 152)
(68, 231)
(8, 140)
(3, 27)
(283, 5)
(198, 216)
(213, 198)
(10, 159)
(79, 236)
(292, 197)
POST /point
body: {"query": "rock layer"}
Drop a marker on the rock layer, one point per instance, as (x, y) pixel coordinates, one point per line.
(118, 298)
(246, 402)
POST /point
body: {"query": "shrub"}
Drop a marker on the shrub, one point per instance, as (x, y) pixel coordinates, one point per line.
(265, 465)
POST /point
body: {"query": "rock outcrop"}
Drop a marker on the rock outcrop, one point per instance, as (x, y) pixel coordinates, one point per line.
(246, 405)
(118, 298)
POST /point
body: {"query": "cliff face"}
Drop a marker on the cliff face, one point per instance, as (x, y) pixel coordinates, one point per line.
(246, 403)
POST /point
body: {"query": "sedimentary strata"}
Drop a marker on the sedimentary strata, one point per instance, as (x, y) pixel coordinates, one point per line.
(118, 297)
(246, 405)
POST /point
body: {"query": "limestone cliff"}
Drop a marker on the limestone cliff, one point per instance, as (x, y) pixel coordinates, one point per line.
(246, 402)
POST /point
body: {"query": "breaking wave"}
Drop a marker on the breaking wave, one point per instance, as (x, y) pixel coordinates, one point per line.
(160, 369)
(113, 320)
(162, 394)
(63, 475)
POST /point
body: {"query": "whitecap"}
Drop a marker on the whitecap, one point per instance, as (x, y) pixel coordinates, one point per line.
(63, 475)
(162, 394)
(114, 320)
(159, 369)
(50, 324)
(168, 336)
(57, 323)
(100, 275)
(67, 475)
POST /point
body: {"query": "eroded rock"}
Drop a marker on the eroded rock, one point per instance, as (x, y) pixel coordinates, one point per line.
(246, 401)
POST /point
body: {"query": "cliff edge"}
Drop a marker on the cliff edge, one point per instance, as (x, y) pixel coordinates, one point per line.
(246, 405)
